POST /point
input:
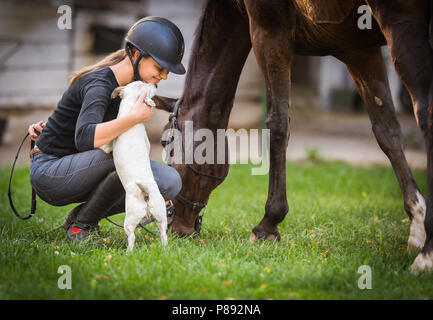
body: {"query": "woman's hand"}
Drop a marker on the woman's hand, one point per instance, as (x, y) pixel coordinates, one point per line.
(141, 110)
(36, 127)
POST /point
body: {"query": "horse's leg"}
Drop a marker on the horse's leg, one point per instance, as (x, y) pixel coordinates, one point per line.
(405, 26)
(369, 73)
(271, 46)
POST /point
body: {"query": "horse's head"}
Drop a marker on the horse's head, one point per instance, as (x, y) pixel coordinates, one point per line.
(198, 179)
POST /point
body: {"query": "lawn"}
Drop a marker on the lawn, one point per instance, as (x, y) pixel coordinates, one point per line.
(340, 217)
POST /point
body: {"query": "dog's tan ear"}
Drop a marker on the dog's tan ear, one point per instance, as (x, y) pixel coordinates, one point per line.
(117, 92)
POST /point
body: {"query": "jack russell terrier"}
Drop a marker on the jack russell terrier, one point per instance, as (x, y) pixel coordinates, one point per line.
(131, 158)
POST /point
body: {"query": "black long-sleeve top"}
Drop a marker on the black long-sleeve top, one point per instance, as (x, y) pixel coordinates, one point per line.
(87, 102)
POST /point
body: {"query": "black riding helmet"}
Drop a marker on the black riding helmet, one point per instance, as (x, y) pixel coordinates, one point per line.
(159, 38)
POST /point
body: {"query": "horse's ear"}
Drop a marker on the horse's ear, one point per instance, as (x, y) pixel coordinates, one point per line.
(164, 103)
(117, 92)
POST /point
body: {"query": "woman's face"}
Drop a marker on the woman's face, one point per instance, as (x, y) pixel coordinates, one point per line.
(150, 71)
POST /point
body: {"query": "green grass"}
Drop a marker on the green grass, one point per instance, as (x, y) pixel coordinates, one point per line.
(340, 217)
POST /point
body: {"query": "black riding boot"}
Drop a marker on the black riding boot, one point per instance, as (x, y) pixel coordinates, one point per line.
(106, 194)
(70, 218)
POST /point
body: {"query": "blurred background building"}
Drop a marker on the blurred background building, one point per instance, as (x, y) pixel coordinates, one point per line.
(37, 59)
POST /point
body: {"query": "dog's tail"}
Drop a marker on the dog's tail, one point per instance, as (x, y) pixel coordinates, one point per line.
(145, 189)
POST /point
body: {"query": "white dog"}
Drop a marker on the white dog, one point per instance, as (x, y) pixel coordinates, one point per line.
(131, 158)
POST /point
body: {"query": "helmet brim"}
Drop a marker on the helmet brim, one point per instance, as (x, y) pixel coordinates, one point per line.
(177, 69)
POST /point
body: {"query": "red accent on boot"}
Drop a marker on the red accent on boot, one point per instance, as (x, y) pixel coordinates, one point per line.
(76, 230)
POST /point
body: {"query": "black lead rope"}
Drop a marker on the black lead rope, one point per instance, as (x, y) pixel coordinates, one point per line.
(33, 203)
(141, 225)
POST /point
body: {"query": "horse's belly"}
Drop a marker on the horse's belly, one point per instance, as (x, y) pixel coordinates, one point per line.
(326, 11)
(320, 39)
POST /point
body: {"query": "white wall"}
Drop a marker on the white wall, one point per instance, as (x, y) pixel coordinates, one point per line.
(34, 54)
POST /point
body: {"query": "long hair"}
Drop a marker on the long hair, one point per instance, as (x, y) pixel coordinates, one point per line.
(111, 59)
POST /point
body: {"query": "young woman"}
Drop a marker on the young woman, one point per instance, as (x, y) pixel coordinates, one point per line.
(67, 165)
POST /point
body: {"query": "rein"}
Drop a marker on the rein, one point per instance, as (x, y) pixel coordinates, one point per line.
(141, 225)
(33, 203)
(192, 205)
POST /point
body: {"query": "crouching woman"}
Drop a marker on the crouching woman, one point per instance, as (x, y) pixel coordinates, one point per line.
(67, 165)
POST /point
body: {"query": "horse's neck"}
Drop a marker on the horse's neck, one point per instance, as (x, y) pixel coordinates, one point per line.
(220, 50)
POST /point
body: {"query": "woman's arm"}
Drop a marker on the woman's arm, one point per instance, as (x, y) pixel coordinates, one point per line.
(91, 132)
(107, 131)
(34, 128)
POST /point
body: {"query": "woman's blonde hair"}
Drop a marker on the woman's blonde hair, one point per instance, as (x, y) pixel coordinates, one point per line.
(111, 59)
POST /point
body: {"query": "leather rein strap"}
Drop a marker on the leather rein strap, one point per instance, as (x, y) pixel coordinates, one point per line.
(33, 203)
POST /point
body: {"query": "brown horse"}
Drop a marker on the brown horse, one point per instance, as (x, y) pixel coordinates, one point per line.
(277, 30)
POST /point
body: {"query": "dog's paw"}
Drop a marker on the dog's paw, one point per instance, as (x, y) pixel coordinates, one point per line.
(149, 102)
(107, 148)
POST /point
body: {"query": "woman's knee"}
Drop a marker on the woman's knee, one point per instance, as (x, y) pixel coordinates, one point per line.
(168, 180)
(172, 184)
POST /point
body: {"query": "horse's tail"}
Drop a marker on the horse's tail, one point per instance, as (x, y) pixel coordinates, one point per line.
(430, 29)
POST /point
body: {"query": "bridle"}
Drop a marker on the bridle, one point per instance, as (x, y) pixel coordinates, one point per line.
(191, 204)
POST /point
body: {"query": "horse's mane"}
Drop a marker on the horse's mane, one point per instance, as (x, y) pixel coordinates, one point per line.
(198, 35)
(208, 19)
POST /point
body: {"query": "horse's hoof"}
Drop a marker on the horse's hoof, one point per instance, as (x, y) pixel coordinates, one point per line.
(273, 237)
(260, 234)
(422, 263)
